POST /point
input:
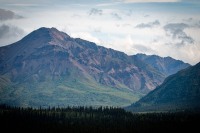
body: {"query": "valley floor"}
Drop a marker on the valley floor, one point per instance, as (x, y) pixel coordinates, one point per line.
(94, 120)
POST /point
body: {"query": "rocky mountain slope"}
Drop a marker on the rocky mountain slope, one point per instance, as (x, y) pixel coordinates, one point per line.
(49, 68)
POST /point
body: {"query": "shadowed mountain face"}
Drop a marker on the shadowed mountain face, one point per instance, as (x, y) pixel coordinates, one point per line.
(48, 67)
(178, 91)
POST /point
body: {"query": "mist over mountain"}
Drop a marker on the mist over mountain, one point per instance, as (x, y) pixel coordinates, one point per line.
(49, 68)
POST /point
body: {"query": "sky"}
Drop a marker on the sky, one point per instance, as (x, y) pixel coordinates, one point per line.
(159, 27)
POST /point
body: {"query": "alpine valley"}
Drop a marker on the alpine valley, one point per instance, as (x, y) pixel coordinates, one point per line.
(50, 68)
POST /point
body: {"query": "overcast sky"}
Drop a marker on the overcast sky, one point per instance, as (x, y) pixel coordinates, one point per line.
(161, 27)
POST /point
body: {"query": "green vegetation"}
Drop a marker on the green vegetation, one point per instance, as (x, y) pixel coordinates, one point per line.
(66, 92)
(94, 120)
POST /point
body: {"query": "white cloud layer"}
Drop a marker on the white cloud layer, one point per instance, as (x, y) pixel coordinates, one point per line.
(86, 36)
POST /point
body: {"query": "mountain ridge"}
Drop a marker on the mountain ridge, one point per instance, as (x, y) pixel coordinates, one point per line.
(72, 71)
(167, 65)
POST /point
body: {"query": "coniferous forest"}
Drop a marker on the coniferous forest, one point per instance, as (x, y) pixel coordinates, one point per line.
(94, 120)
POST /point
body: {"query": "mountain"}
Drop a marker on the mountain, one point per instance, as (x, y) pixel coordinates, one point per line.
(49, 68)
(179, 91)
(165, 65)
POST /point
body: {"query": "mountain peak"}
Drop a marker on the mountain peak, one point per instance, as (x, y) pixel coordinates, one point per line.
(48, 30)
(45, 35)
(52, 32)
(43, 29)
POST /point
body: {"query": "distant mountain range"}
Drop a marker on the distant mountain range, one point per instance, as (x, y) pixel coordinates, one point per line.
(166, 65)
(178, 92)
(49, 68)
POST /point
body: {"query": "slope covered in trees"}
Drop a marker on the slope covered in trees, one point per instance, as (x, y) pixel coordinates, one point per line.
(178, 92)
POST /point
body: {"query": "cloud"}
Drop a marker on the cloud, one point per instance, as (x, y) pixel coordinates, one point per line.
(146, 16)
(191, 1)
(86, 36)
(8, 15)
(76, 16)
(23, 5)
(97, 29)
(9, 34)
(116, 16)
(95, 11)
(113, 3)
(7, 30)
(148, 25)
(197, 24)
(146, 1)
(188, 20)
(143, 49)
(176, 31)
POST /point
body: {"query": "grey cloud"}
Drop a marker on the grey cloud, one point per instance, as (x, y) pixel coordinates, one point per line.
(146, 16)
(175, 26)
(191, 1)
(126, 25)
(143, 49)
(129, 12)
(148, 25)
(9, 33)
(97, 30)
(176, 31)
(8, 15)
(117, 25)
(95, 11)
(115, 15)
(76, 16)
(197, 24)
(7, 30)
(188, 20)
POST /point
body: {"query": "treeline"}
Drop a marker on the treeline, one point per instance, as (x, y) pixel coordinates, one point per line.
(94, 120)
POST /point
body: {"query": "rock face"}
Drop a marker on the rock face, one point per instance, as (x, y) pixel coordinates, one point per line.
(179, 91)
(48, 65)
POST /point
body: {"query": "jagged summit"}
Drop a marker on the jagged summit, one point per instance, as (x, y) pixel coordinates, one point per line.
(48, 31)
(46, 35)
